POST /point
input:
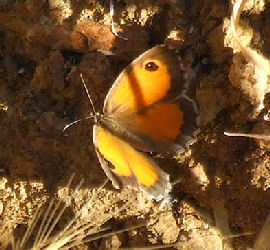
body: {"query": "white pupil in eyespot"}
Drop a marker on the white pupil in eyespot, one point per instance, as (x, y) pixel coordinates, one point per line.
(151, 66)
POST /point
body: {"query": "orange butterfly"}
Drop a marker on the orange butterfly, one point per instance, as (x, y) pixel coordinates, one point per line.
(146, 110)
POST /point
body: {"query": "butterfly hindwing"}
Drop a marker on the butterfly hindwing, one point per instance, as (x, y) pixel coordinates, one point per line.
(124, 165)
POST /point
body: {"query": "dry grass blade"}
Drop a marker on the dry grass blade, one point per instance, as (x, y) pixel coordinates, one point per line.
(74, 228)
(20, 244)
(46, 229)
(83, 229)
(79, 227)
(49, 221)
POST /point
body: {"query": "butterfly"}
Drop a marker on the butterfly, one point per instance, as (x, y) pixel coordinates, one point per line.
(146, 110)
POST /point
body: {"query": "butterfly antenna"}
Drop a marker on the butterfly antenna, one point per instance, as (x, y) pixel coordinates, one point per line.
(71, 124)
(92, 114)
(90, 99)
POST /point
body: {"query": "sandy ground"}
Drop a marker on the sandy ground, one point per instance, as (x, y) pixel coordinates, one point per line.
(222, 183)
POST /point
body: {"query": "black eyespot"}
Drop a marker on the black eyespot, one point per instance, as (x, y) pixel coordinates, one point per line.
(109, 164)
(151, 66)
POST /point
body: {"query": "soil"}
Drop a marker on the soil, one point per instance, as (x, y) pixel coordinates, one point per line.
(221, 184)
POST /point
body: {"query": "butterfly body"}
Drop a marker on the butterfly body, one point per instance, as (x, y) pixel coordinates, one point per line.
(146, 110)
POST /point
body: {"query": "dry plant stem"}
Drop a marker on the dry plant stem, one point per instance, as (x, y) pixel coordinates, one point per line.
(254, 136)
(231, 236)
(112, 21)
(250, 55)
(115, 232)
(176, 243)
(259, 86)
(263, 238)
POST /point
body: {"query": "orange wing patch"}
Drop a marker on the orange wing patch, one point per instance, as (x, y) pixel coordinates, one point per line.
(140, 87)
(162, 122)
(125, 160)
